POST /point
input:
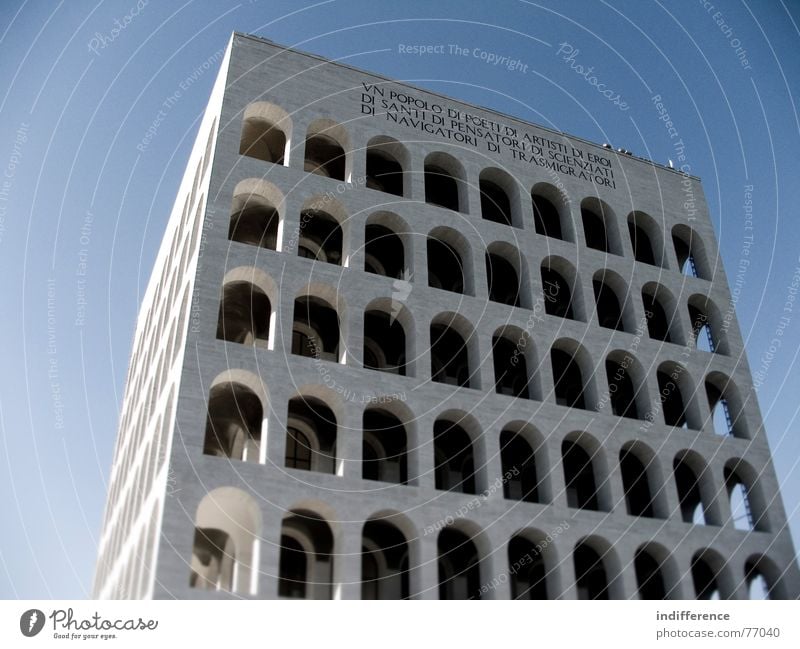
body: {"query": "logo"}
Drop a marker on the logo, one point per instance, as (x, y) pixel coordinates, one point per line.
(31, 622)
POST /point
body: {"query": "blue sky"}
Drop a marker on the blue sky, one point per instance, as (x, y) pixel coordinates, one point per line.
(82, 211)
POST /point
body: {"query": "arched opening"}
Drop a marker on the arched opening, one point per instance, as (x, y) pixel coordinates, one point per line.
(233, 425)
(495, 204)
(384, 562)
(579, 476)
(385, 447)
(254, 221)
(225, 546)
(244, 314)
(265, 132)
(459, 566)
(444, 182)
(644, 239)
(690, 495)
(649, 575)
(310, 435)
(763, 579)
(658, 324)
(315, 330)
(748, 509)
(635, 482)
(503, 280)
(546, 216)
(707, 570)
(447, 256)
(568, 377)
(384, 343)
(690, 252)
(384, 252)
(510, 368)
(609, 312)
(622, 392)
(591, 579)
(320, 237)
(599, 229)
(325, 150)
(306, 557)
(454, 458)
(520, 478)
(385, 161)
(450, 357)
(557, 286)
(673, 384)
(527, 572)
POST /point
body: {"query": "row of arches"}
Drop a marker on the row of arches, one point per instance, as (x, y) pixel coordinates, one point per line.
(390, 344)
(226, 546)
(236, 428)
(266, 134)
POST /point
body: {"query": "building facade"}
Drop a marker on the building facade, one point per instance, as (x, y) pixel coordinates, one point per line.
(399, 346)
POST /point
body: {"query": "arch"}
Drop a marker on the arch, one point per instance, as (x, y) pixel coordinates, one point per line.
(387, 161)
(645, 239)
(459, 565)
(748, 505)
(306, 556)
(244, 314)
(599, 226)
(445, 182)
(387, 246)
(454, 454)
(321, 236)
(581, 457)
(627, 386)
(613, 311)
(256, 213)
(691, 252)
(764, 580)
(385, 447)
(709, 575)
(708, 329)
(551, 212)
(559, 282)
(325, 150)
(524, 463)
(315, 328)
(695, 488)
(266, 133)
(656, 577)
(449, 261)
(595, 569)
(659, 310)
(233, 423)
(642, 488)
(453, 351)
(677, 396)
(726, 406)
(515, 363)
(384, 561)
(506, 270)
(528, 571)
(227, 528)
(311, 432)
(385, 338)
(499, 197)
(571, 365)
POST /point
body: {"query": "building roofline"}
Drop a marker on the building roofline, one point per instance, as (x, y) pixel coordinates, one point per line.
(620, 156)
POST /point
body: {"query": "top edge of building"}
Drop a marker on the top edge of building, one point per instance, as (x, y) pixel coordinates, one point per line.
(619, 155)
